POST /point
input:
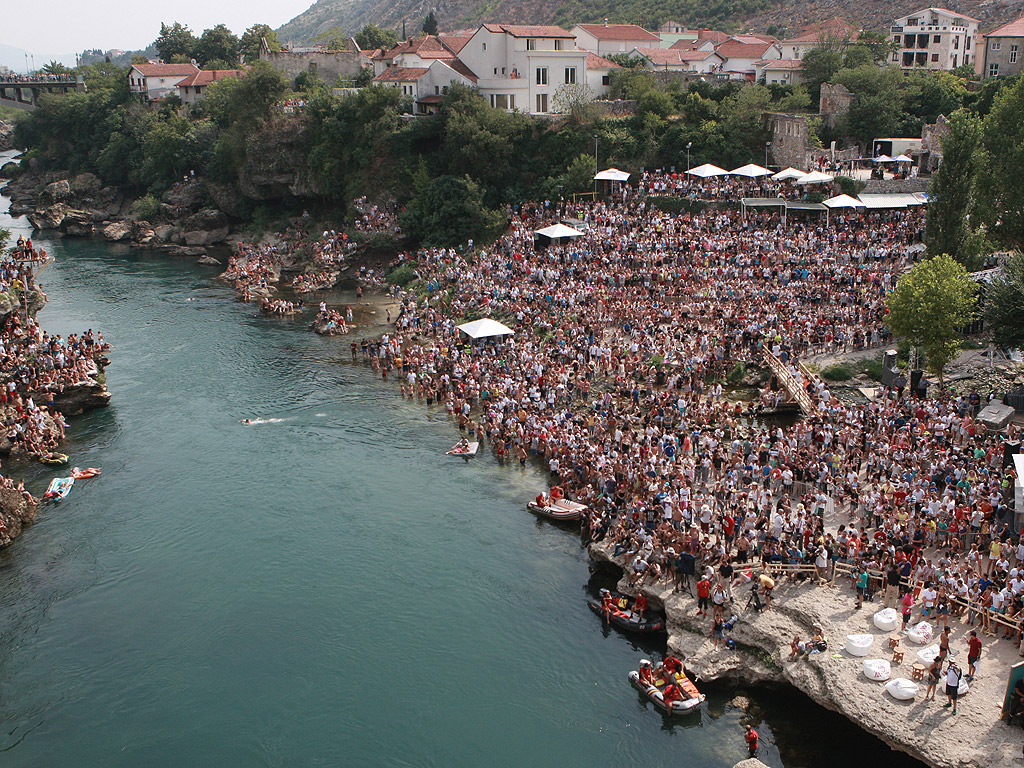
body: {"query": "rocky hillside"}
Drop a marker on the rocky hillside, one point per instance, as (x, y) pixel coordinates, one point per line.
(732, 15)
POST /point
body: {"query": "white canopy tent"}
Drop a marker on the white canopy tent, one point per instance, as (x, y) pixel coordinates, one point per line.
(558, 231)
(843, 201)
(903, 159)
(882, 159)
(485, 329)
(788, 174)
(707, 170)
(814, 177)
(612, 174)
(751, 171)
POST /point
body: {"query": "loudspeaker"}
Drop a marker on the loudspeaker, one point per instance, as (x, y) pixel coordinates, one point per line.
(1010, 448)
(915, 382)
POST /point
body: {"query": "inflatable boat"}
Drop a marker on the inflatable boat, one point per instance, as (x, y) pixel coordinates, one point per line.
(54, 458)
(558, 509)
(58, 488)
(691, 699)
(466, 452)
(81, 474)
(623, 617)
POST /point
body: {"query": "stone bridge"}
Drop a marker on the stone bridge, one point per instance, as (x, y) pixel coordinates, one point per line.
(25, 92)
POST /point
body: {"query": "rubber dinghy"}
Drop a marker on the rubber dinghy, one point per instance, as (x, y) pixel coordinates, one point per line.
(81, 474)
(466, 452)
(558, 509)
(58, 488)
(623, 617)
(691, 701)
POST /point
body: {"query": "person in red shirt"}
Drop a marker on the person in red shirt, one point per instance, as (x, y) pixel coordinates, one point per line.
(703, 596)
(750, 736)
(973, 654)
(670, 695)
(640, 606)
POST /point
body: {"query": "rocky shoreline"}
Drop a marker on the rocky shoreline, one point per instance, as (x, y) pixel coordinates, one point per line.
(974, 738)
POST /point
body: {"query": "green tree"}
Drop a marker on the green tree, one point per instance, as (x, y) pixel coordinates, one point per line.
(219, 64)
(138, 58)
(372, 36)
(175, 40)
(928, 307)
(953, 190)
(819, 66)
(449, 211)
(1004, 304)
(573, 99)
(430, 24)
(54, 67)
(218, 43)
(1004, 141)
(334, 39)
(5, 238)
(249, 44)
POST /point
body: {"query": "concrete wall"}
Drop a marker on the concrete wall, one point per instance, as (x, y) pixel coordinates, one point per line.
(327, 65)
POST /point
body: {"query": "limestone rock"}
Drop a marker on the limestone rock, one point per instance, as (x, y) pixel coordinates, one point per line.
(16, 511)
(85, 183)
(49, 217)
(117, 231)
(142, 232)
(226, 198)
(183, 250)
(208, 261)
(57, 191)
(750, 762)
(207, 227)
(77, 223)
(186, 196)
(81, 397)
(163, 233)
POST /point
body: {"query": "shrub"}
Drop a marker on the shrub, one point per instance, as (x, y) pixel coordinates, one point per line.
(146, 207)
(736, 373)
(873, 368)
(402, 275)
(840, 372)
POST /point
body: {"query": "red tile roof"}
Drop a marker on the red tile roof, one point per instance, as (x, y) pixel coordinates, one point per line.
(522, 30)
(667, 57)
(598, 62)
(1013, 29)
(619, 32)
(207, 76)
(780, 64)
(433, 98)
(462, 69)
(426, 47)
(401, 74)
(165, 70)
(455, 42)
(737, 49)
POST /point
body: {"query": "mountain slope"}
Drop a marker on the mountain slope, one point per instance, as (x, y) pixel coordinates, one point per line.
(730, 15)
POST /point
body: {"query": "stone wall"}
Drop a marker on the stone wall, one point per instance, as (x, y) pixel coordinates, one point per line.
(789, 139)
(614, 108)
(833, 104)
(931, 144)
(327, 65)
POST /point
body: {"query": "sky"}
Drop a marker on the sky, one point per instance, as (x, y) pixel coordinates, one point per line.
(69, 26)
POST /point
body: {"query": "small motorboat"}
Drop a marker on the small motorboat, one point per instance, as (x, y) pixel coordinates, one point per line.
(58, 488)
(81, 474)
(464, 450)
(557, 509)
(691, 700)
(625, 619)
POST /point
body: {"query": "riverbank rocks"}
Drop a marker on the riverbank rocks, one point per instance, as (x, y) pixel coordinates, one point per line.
(6, 135)
(207, 227)
(208, 261)
(186, 196)
(57, 191)
(47, 217)
(77, 223)
(16, 511)
(750, 762)
(116, 231)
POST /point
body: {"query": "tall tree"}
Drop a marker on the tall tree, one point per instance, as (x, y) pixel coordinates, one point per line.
(430, 24)
(929, 306)
(334, 39)
(819, 66)
(952, 193)
(249, 45)
(219, 43)
(175, 40)
(1004, 140)
(372, 36)
(1004, 304)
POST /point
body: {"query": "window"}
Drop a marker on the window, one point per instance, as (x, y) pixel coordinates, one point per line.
(570, 75)
(1013, 54)
(502, 101)
(542, 75)
(967, 46)
(996, 45)
(936, 38)
(912, 22)
(896, 39)
(909, 41)
(935, 57)
(956, 43)
(993, 69)
(542, 102)
(908, 59)
(896, 57)
(485, 46)
(606, 80)
(558, 45)
(954, 61)
(531, 44)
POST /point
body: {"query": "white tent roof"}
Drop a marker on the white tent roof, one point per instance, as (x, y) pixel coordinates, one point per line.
(843, 201)
(556, 231)
(814, 177)
(892, 200)
(611, 174)
(903, 159)
(706, 170)
(750, 171)
(789, 173)
(482, 329)
(882, 159)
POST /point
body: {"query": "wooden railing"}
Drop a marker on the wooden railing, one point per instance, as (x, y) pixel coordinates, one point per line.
(793, 385)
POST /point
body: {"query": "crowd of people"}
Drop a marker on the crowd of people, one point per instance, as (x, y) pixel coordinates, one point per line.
(307, 282)
(280, 306)
(376, 217)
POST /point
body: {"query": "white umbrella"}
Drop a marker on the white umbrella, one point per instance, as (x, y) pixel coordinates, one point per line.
(482, 329)
(814, 177)
(903, 159)
(706, 170)
(843, 201)
(882, 159)
(612, 174)
(556, 231)
(751, 171)
(786, 175)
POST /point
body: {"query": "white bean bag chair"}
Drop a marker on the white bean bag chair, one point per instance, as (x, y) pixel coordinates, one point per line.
(888, 620)
(877, 669)
(921, 633)
(902, 689)
(859, 645)
(927, 655)
(963, 687)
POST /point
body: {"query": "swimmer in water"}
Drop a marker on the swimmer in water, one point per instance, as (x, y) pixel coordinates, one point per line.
(246, 421)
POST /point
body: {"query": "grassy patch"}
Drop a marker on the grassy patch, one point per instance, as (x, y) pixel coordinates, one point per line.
(840, 372)
(736, 373)
(402, 275)
(873, 368)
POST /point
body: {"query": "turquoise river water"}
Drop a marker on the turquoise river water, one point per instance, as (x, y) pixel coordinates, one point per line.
(324, 589)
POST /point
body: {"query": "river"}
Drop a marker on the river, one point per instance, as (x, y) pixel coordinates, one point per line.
(322, 589)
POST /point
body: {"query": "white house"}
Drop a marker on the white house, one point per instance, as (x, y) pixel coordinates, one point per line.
(779, 71)
(934, 38)
(426, 86)
(679, 59)
(418, 52)
(742, 52)
(606, 39)
(522, 67)
(193, 88)
(599, 73)
(835, 32)
(155, 81)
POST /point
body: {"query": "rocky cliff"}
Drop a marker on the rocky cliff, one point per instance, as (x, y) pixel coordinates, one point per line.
(16, 511)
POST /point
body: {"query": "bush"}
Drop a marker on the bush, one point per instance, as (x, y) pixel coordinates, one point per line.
(402, 275)
(849, 186)
(675, 204)
(873, 368)
(840, 372)
(146, 207)
(736, 373)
